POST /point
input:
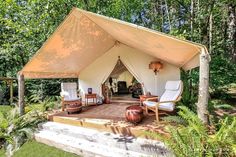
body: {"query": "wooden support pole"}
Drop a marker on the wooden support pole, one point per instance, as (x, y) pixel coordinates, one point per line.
(21, 92)
(203, 95)
(11, 92)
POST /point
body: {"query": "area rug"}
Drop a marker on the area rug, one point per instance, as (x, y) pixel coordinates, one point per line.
(114, 111)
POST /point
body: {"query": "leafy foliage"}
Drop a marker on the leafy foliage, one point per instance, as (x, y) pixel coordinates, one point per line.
(194, 139)
(15, 130)
(189, 95)
(174, 119)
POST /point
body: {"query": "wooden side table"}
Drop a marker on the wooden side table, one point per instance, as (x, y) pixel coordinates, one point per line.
(90, 96)
(142, 98)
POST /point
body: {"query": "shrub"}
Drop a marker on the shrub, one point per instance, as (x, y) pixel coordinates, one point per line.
(16, 130)
(193, 138)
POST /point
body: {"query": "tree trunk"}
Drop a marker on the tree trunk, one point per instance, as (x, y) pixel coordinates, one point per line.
(232, 31)
(21, 92)
(11, 92)
(86, 3)
(198, 17)
(191, 18)
(162, 17)
(168, 15)
(210, 33)
(203, 94)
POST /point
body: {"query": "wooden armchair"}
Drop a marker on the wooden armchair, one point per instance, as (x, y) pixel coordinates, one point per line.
(69, 95)
(172, 94)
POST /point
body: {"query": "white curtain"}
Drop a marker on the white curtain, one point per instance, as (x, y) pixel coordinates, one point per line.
(94, 75)
(135, 61)
(131, 68)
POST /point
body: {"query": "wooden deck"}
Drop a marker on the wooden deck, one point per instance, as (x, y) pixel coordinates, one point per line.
(110, 118)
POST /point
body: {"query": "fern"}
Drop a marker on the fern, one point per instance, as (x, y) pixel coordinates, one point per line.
(174, 119)
(15, 129)
(193, 121)
(225, 138)
(223, 106)
(193, 139)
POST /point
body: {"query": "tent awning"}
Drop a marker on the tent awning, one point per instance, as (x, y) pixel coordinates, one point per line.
(84, 36)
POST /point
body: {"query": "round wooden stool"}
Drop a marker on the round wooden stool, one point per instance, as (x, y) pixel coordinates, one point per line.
(72, 108)
(134, 114)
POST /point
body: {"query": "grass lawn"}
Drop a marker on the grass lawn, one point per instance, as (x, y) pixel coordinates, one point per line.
(1, 153)
(5, 108)
(35, 149)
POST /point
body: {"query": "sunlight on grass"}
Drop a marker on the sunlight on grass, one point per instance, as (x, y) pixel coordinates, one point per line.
(2, 153)
(5, 108)
(35, 149)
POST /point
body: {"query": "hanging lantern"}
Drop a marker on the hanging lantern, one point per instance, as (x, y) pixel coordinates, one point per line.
(155, 66)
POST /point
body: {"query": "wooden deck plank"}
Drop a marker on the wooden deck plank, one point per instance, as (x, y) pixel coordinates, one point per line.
(109, 118)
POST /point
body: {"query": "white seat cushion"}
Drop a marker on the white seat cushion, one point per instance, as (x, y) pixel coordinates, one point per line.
(150, 103)
(73, 99)
(172, 85)
(69, 91)
(162, 106)
(173, 90)
(166, 106)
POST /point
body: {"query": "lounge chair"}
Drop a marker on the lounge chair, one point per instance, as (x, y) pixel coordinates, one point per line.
(69, 96)
(172, 94)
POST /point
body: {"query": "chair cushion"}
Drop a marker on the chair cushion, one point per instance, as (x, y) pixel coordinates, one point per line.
(172, 92)
(68, 85)
(76, 99)
(169, 95)
(69, 91)
(172, 85)
(162, 106)
(150, 103)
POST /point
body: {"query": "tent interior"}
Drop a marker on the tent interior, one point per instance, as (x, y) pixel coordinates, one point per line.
(122, 84)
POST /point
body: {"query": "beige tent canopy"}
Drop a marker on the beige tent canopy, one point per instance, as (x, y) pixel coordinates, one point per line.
(84, 36)
(87, 45)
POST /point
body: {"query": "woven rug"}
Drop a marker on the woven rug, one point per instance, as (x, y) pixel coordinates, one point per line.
(115, 111)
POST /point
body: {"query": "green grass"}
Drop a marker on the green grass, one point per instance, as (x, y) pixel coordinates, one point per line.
(2, 153)
(5, 108)
(35, 149)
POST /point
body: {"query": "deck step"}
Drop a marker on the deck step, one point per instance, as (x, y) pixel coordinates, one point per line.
(89, 142)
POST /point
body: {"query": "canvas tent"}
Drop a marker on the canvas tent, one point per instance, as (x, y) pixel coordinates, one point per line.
(87, 45)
